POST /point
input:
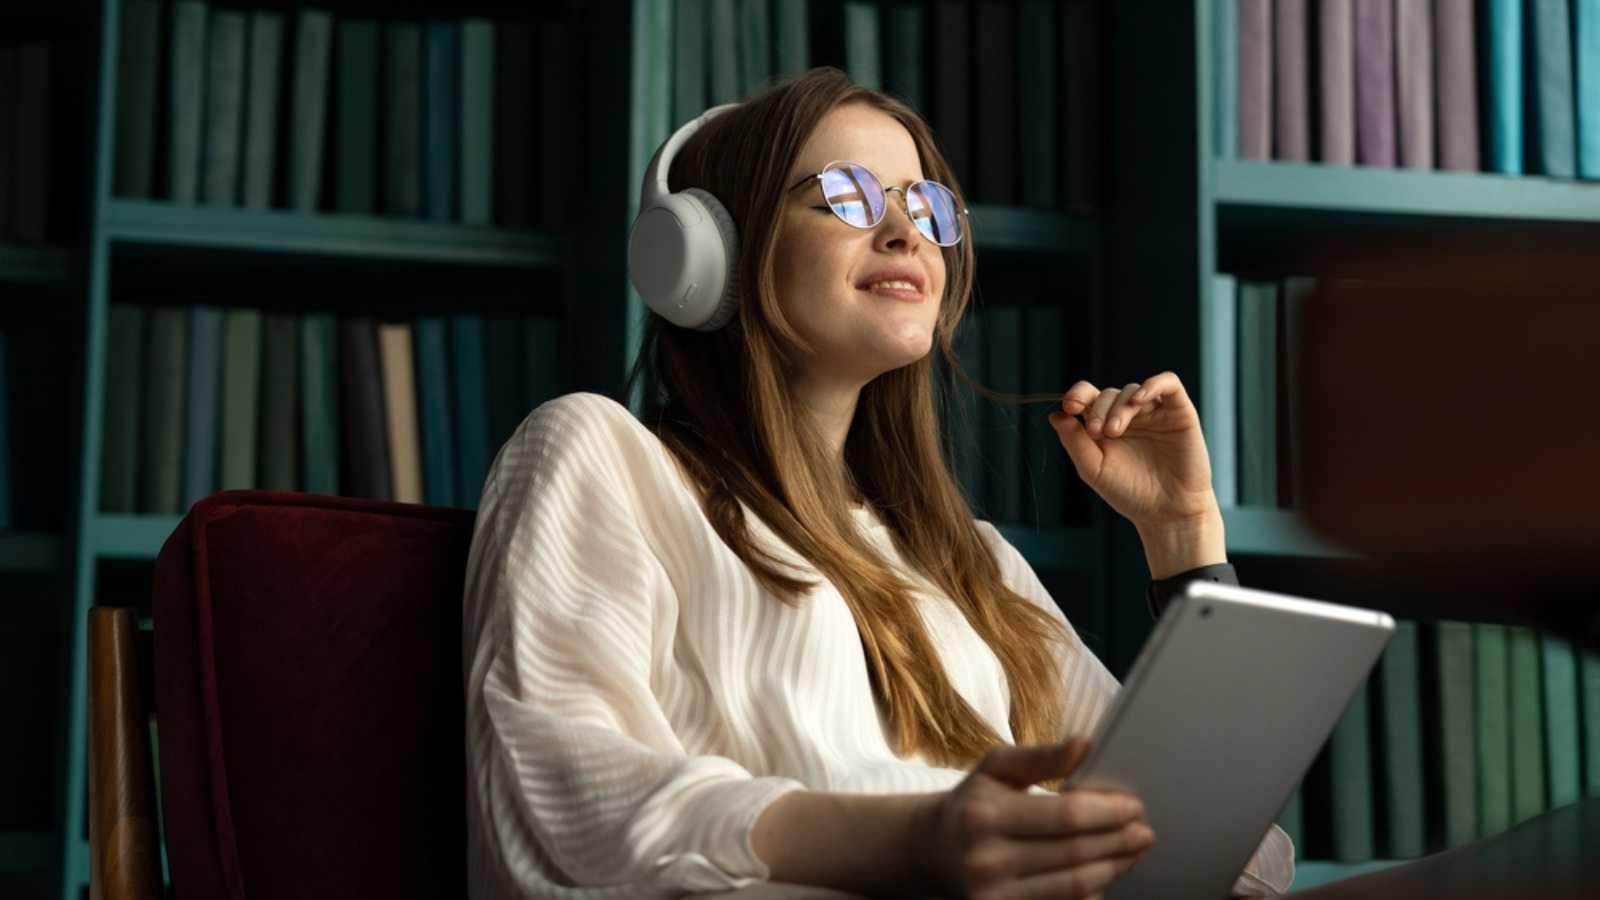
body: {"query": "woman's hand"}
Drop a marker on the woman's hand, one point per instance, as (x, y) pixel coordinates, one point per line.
(1140, 448)
(989, 838)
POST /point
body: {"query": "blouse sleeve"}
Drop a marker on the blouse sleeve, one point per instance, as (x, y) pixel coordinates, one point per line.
(575, 774)
(1090, 688)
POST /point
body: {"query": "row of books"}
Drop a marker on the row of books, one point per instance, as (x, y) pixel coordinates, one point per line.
(460, 120)
(1462, 731)
(1009, 86)
(201, 398)
(27, 83)
(7, 512)
(1505, 86)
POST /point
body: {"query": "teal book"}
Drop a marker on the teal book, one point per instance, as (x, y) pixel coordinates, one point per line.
(502, 354)
(951, 87)
(471, 384)
(1554, 145)
(319, 403)
(224, 115)
(1589, 671)
(186, 63)
(1452, 780)
(902, 54)
(1297, 292)
(308, 111)
(1527, 725)
(1005, 370)
(241, 397)
(1258, 403)
(1586, 49)
(119, 438)
(261, 108)
(1225, 78)
(402, 120)
(994, 48)
(203, 404)
(541, 359)
(969, 412)
(723, 64)
(1219, 385)
(7, 516)
(441, 119)
(1037, 106)
(1292, 819)
(792, 37)
(690, 22)
(1562, 743)
(137, 64)
(1502, 83)
(1493, 727)
(1045, 324)
(863, 53)
(1350, 789)
(366, 468)
(1400, 781)
(280, 408)
(755, 45)
(355, 136)
(161, 457)
(433, 401)
(477, 160)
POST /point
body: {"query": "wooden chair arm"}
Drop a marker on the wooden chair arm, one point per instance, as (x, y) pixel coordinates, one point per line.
(124, 861)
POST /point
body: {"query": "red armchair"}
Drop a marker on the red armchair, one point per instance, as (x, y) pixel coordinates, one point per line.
(308, 687)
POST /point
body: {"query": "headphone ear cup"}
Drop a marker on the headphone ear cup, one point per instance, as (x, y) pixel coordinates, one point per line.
(728, 303)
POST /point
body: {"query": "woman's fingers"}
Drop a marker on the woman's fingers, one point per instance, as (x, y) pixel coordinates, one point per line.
(1034, 856)
(1056, 816)
(1095, 418)
(1122, 411)
(1080, 881)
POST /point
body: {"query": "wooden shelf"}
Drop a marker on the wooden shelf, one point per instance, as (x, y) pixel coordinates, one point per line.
(1019, 229)
(1054, 548)
(1275, 532)
(129, 536)
(34, 264)
(1345, 190)
(29, 552)
(327, 235)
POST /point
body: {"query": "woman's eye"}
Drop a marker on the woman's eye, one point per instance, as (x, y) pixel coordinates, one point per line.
(823, 208)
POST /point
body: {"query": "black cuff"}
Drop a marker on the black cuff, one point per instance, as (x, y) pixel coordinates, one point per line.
(1159, 593)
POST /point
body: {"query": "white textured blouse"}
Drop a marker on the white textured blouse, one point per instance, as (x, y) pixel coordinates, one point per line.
(635, 698)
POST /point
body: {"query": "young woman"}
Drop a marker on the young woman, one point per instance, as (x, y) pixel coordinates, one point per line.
(759, 635)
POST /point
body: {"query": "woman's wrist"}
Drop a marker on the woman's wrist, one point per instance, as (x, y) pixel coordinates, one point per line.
(862, 843)
(1178, 546)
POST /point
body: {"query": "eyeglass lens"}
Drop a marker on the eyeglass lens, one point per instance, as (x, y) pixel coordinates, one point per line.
(857, 197)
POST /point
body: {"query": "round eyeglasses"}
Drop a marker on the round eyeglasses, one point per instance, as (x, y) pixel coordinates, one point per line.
(859, 199)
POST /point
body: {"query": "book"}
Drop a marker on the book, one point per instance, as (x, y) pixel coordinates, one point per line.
(502, 355)
(441, 119)
(477, 162)
(402, 122)
(261, 108)
(863, 59)
(1562, 710)
(755, 45)
(364, 430)
(513, 127)
(1036, 106)
(203, 374)
(224, 109)
(1350, 783)
(355, 135)
(1297, 292)
(1291, 100)
(1403, 821)
(308, 111)
(1586, 84)
(1082, 36)
(994, 78)
(1004, 372)
(1045, 326)
(186, 63)
(1258, 408)
(1414, 104)
(969, 413)
(1219, 385)
(541, 357)
(470, 385)
(689, 87)
(32, 152)
(1336, 83)
(241, 397)
(1375, 84)
(1492, 727)
(319, 403)
(792, 37)
(902, 55)
(723, 74)
(137, 62)
(400, 411)
(1589, 675)
(1456, 84)
(1501, 30)
(1255, 79)
(1448, 720)
(1550, 68)
(436, 426)
(161, 455)
(1225, 79)
(280, 402)
(119, 440)
(951, 88)
(1527, 724)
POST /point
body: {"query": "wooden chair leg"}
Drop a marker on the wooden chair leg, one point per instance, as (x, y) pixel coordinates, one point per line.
(124, 861)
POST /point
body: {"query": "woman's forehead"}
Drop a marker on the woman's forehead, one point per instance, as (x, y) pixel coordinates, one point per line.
(865, 135)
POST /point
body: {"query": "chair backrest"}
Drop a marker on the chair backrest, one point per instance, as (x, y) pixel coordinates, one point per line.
(308, 694)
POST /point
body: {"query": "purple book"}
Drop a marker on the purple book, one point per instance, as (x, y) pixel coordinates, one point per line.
(1291, 121)
(1374, 42)
(1413, 29)
(1336, 82)
(1456, 84)
(1255, 79)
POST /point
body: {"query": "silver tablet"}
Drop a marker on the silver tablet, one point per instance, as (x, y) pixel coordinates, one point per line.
(1221, 715)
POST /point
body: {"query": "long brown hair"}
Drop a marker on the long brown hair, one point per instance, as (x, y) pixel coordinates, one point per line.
(720, 404)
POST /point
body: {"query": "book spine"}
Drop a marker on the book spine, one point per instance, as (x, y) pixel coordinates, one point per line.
(471, 383)
(1219, 387)
(224, 111)
(1258, 410)
(1503, 28)
(903, 61)
(862, 56)
(1589, 673)
(140, 43)
(1456, 84)
(433, 399)
(313, 49)
(1453, 777)
(185, 99)
(319, 402)
(398, 364)
(163, 404)
(1413, 25)
(1561, 721)
(1255, 79)
(1527, 725)
(441, 122)
(1586, 47)
(724, 61)
(241, 397)
(1225, 78)
(1336, 82)
(261, 108)
(124, 373)
(755, 45)
(1401, 755)
(1493, 728)
(477, 121)
(1555, 144)
(1291, 119)
(280, 395)
(201, 425)
(689, 24)
(402, 137)
(1374, 57)
(365, 438)
(793, 37)
(355, 137)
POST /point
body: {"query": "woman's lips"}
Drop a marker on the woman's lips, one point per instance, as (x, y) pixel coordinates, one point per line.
(904, 295)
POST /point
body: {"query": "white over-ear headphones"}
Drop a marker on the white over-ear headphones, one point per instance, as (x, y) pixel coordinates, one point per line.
(683, 250)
